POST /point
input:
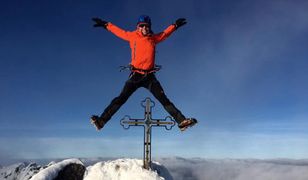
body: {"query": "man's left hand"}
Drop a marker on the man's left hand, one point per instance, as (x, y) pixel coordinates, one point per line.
(180, 22)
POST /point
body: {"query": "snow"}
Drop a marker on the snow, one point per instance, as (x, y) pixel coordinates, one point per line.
(10, 171)
(19, 171)
(52, 171)
(180, 168)
(122, 169)
(119, 169)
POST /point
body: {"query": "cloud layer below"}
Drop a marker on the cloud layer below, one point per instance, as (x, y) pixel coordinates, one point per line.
(236, 169)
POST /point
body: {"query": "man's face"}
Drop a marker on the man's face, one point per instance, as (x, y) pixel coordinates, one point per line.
(144, 29)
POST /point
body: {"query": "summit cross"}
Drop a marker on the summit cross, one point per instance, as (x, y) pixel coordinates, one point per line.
(147, 122)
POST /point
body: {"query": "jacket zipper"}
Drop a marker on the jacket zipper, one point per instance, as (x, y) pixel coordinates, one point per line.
(134, 51)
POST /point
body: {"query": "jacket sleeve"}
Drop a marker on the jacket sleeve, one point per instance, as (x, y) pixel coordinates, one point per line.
(125, 35)
(163, 35)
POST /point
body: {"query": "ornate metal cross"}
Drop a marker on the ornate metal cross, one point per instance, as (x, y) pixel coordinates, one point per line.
(147, 123)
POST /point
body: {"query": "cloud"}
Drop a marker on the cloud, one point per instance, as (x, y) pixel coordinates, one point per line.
(217, 144)
(236, 169)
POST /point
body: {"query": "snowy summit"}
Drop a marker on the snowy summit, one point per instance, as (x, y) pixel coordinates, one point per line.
(125, 169)
(120, 169)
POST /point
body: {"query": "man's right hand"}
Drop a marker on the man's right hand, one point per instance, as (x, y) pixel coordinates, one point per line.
(99, 22)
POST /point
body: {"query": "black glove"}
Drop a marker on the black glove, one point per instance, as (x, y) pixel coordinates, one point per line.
(100, 23)
(180, 22)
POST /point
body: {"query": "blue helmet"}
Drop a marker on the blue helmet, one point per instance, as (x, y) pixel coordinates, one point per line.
(144, 19)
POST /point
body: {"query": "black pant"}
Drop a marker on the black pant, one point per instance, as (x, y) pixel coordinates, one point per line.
(149, 82)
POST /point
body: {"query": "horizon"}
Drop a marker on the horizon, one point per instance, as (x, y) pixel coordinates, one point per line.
(176, 168)
(90, 160)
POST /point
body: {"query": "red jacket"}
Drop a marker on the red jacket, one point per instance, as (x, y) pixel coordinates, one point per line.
(143, 47)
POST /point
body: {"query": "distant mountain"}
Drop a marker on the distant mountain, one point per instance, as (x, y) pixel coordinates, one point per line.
(19, 171)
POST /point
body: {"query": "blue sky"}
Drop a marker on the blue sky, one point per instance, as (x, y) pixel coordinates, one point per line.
(239, 67)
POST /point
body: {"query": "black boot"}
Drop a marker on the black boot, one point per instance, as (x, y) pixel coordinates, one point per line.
(186, 123)
(97, 122)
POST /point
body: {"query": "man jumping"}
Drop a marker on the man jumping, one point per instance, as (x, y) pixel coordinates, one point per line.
(142, 42)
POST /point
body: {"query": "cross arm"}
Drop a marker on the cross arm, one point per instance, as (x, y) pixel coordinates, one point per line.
(126, 122)
(164, 123)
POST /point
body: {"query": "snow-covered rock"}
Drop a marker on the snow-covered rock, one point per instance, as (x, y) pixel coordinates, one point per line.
(67, 169)
(120, 169)
(126, 169)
